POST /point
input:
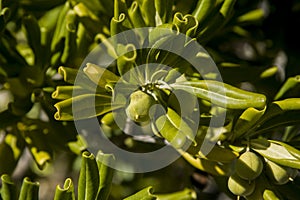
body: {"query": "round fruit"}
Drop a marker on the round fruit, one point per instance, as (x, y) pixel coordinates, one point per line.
(278, 174)
(239, 186)
(249, 166)
(139, 106)
(269, 194)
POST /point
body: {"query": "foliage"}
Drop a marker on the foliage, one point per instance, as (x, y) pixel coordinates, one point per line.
(44, 43)
(94, 183)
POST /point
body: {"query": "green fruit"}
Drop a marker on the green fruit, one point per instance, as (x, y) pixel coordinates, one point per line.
(139, 106)
(278, 174)
(239, 186)
(249, 166)
(270, 195)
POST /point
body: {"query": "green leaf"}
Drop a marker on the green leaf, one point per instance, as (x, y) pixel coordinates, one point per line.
(251, 16)
(106, 172)
(8, 189)
(283, 112)
(81, 106)
(99, 75)
(78, 146)
(88, 182)
(33, 34)
(220, 154)
(144, 194)
(222, 94)
(186, 194)
(172, 75)
(68, 74)
(148, 12)
(209, 166)
(29, 190)
(126, 62)
(187, 24)
(288, 104)
(288, 118)
(70, 47)
(117, 25)
(4, 17)
(216, 21)
(66, 92)
(277, 152)
(247, 120)
(269, 72)
(57, 43)
(65, 193)
(164, 9)
(161, 35)
(88, 18)
(288, 85)
(227, 8)
(203, 9)
(50, 18)
(136, 15)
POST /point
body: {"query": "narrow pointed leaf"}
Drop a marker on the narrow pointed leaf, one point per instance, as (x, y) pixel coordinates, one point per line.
(222, 94)
(71, 36)
(34, 37)
(105, 165)
(148, 12)
(288, 85)
(252, 16)
(203, 9)
(164, 9)
(247, 120)
(88, 182)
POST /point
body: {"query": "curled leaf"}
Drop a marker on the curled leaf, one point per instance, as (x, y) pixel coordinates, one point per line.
(8, 189)
(144, 194)
(65, 193)
(80, 107)
(29, 190)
